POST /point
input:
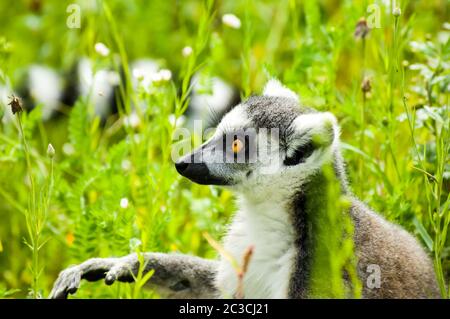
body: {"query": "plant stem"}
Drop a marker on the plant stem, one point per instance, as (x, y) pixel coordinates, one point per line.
(363, 109)
(31, 217)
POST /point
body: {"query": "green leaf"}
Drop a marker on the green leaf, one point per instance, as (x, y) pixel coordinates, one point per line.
(423, 233)
(78, 122)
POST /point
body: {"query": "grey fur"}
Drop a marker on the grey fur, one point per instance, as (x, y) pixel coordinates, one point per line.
(274, 112)
(406, 270)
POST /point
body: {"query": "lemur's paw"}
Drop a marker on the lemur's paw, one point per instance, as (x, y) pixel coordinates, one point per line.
(67, 283)
(91, 270)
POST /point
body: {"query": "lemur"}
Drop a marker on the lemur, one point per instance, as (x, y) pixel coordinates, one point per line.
(276, 203)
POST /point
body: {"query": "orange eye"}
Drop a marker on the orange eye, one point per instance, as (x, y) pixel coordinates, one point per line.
(237, 146)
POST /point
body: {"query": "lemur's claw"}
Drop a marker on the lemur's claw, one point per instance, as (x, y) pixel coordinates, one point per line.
(110, 279)
(121, 271)
(67, 283)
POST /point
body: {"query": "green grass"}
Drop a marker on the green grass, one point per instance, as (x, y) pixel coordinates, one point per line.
(65, 209)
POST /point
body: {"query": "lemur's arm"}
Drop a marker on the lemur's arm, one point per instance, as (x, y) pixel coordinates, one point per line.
(175, 276)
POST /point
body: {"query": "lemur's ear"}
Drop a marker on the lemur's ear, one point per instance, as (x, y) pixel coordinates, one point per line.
(275, 88)
(310, 132)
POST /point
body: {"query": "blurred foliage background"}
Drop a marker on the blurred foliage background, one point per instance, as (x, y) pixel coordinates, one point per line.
(112, 189)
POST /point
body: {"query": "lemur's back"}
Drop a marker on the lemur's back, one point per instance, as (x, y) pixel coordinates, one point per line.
(405, 270)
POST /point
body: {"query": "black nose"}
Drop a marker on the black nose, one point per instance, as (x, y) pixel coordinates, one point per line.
(181, 166)
(198, 173)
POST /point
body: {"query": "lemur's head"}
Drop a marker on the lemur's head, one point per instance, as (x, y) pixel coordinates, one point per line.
(266, 143)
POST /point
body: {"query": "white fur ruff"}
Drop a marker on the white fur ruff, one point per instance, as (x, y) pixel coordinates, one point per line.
(270, 232)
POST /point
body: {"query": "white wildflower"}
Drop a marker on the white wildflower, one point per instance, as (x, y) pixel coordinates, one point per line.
(156, 77)
(231, 21)
(126, 165)
(132, 120)
(187, 51)
(101, 49)
(165, 74)
(124, 202)
(178, 121)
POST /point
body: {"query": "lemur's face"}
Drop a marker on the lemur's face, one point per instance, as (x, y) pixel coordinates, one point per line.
(265, 144)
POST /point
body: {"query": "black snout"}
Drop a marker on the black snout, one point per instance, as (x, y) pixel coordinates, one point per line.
(181, 166)
(198, 173)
